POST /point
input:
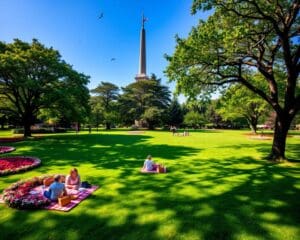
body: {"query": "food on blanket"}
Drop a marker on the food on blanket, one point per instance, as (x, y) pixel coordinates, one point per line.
(163, 169)
(63, 201)
(73, 196)
(160, 169)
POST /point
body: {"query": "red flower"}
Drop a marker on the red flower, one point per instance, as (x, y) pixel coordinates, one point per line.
(16, 164)
(6, 149)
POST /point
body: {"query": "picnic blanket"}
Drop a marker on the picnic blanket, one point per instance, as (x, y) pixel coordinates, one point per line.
(153, 171)
(82, 194)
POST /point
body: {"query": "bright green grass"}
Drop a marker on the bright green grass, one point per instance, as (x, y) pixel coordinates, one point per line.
(218, 187)
(6, 133)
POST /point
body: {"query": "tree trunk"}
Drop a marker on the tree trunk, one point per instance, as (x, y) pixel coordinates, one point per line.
(150, 126)
(107, 124)
(252, 121)
(253, 127)
(27, 121)
(27, 130)
(282, 125)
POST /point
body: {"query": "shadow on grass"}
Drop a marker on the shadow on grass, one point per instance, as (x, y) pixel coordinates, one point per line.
(101, 151)
(292, 149)
(213, 199)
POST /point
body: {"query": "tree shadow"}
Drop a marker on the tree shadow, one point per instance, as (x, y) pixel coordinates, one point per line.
(292, 149)
(232, 198)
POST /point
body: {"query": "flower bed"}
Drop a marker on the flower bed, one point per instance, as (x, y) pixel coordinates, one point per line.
(10, 165)
(11, 139)
(6, 149)
(21, 195)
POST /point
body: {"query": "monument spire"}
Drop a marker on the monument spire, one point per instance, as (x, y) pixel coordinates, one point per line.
(142, 75)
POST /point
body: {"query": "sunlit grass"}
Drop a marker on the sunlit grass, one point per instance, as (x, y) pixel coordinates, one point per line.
(218, 187)
(6, 133)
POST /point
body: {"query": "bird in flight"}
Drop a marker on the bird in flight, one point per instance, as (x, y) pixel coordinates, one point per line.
(112, 59)
(101, 15)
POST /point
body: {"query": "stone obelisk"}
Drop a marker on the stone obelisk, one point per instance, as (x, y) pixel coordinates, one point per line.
(142, 75)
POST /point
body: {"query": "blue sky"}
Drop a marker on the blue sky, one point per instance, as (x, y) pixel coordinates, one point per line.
(89, 43)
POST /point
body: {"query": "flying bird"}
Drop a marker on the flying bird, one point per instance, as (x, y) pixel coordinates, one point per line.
(112, 59)
(101, 15)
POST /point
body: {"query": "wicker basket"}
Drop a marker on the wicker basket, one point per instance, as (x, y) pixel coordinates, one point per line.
(63, 201)
(160, 169)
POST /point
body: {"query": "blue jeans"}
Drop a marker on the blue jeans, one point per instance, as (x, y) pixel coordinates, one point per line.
(47, 194)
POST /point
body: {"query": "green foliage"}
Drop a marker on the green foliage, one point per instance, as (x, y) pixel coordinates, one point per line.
(107, 94)
(97, 111)
(104, 104)
(175, 113)
(34, 77)
(238, 38)
(139, 96)
(239, 102)
(152, 116)
(194, 119)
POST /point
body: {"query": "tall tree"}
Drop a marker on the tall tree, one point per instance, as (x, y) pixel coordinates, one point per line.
(242, 36)
(175, 113)
(194, 119)
(107, 95)
(212, 116)
(96, 112)
(34, 77)
(139, 96)
(239, 102)
(153, 116)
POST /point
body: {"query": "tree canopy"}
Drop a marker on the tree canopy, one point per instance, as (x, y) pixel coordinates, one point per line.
(238, 38)
(107, 95)
(239, 102)
(175, 113)
(145, 100)
(34, 77)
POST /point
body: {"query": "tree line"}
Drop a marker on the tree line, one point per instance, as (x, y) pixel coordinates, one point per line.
(37, 85)
(246, 51)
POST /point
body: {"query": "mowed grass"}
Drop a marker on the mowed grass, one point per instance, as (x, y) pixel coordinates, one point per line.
(218, 187)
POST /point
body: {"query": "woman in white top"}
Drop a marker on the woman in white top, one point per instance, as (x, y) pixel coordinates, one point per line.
(149, 165)
(73, 180)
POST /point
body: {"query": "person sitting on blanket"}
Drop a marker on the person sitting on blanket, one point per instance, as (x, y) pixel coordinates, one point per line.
(73, 180)
(56, 189)
(149, 165)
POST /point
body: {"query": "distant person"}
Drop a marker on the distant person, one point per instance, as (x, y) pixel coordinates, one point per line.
(149, 165)
(56, 189)
(186, 132)
(73, 180)
(173, 130)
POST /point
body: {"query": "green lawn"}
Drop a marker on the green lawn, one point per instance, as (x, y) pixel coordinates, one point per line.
(218, 187)
(6, 133)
